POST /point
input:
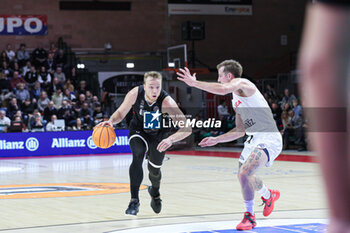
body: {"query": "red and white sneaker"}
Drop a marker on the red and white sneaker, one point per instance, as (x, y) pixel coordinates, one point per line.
(270, 203)
(248, 222)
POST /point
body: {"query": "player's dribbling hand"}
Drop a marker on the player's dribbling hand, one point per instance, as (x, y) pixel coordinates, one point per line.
(103, 123)
(186, 76)
(164, 145)
(208, 141)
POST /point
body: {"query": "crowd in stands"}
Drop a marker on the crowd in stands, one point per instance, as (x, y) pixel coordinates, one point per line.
(39, 91)
(288, 114)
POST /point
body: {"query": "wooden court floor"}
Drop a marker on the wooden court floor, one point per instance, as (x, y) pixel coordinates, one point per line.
(199, 193)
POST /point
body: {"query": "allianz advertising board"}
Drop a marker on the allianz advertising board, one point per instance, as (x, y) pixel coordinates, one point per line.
(58, 143)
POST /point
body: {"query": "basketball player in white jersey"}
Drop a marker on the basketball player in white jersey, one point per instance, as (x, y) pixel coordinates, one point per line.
(254, 118)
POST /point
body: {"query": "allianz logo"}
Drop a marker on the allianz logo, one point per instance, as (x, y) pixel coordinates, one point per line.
(73, 143)
(31, 144)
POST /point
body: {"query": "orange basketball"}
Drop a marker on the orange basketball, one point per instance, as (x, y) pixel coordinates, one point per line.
(103, 136)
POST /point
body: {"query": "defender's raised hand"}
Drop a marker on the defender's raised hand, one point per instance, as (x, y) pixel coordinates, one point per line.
(185, 76)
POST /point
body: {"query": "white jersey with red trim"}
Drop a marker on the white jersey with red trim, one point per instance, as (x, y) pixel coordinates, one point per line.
(255, 112)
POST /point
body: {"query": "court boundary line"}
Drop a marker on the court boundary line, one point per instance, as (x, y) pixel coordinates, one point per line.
(147, 218)
(225, 154)
(172, 224)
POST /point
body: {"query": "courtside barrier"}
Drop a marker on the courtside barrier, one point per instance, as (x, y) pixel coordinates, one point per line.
(58, 143)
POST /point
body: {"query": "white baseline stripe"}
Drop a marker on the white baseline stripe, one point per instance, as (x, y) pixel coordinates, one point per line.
(221, 225)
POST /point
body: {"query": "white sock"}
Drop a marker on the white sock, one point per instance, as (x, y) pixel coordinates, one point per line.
(249, 205)
(265, 192)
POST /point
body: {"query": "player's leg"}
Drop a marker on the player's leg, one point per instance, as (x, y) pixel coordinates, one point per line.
(155, 161)
(246, 177)
(138, 148)
(246, 173)
(268, 196)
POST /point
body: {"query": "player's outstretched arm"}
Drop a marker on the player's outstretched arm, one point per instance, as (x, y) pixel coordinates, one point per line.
(215, 88)
(123, 109)
(169, 106)
(231, 135)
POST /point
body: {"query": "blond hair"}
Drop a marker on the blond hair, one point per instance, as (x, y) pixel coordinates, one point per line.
(231, 66)
(152, 74)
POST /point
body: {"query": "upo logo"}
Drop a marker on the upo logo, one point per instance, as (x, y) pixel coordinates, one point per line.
(32, 144)
(151, 120)
(23, 25)
(90, 143)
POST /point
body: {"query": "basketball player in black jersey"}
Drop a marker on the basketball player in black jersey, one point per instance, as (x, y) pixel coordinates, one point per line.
(148, 98)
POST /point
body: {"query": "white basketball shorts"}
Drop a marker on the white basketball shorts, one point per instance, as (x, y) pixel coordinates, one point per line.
(272, 142)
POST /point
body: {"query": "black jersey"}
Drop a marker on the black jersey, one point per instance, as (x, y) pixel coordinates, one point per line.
(142, 106)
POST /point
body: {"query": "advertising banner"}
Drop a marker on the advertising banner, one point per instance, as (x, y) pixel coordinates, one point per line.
(58, 143)
(210, 7)
(21, 25)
